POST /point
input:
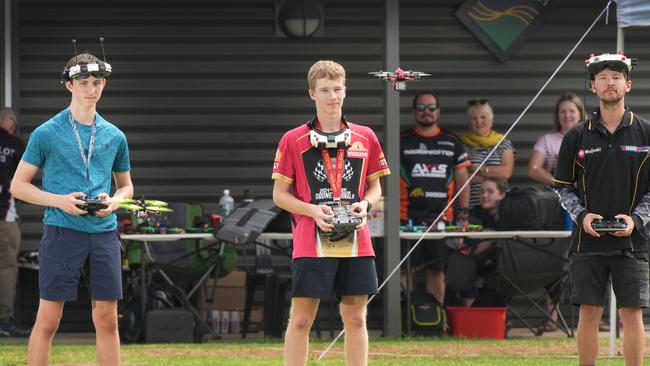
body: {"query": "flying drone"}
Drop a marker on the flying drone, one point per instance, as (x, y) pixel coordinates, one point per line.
(399, 78)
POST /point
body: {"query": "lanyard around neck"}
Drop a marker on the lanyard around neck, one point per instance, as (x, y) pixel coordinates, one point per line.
(335, 178)
(91, 144)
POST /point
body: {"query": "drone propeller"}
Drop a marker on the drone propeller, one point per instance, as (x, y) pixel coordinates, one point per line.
(131, 207)
(155, 203)
(158, 209)
(415, 74)
(128, 201)
(381, 74)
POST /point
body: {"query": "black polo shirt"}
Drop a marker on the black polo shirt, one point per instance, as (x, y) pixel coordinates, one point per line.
(611, 174)
(11, 151)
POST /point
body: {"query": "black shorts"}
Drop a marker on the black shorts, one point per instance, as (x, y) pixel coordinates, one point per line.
(430, 254)
(317, 277)
(590, 274)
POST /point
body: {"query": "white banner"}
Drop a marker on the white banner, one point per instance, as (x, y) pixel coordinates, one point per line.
(631, 13)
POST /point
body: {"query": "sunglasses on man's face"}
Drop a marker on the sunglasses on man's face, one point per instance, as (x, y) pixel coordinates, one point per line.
(421, 107)
(476, 101)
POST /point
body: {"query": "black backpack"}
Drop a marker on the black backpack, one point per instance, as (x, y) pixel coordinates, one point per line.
(530, 209)
(427, 316)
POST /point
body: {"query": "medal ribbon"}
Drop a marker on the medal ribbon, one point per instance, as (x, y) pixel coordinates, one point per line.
(335, 178)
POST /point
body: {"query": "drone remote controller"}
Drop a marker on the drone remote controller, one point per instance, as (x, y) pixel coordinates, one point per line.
(344, 222)
(92, 206)
(608, 226)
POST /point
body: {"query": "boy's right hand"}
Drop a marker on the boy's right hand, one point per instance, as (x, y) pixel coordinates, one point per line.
(69, 202)
(322, 215)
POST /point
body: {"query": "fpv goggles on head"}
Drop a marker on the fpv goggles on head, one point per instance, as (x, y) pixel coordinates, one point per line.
(329, 140)
(83, 71)
(616, 62)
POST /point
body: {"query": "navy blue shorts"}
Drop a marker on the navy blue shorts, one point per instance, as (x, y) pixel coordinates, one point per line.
(317, 277)
(66, 254)
(591, 273)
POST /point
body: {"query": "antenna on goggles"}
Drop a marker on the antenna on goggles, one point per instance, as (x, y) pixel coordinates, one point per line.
(74, 45)
(101, 41)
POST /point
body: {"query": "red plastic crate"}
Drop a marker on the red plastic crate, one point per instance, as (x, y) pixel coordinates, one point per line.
(477, 322)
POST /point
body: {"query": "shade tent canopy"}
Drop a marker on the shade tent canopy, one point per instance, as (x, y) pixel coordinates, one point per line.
(633, 13)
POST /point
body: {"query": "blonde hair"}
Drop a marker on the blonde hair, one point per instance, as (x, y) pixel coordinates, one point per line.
(325, 69)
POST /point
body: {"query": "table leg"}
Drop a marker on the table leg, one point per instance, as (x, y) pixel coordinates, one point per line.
(143, 284)
(408, 289)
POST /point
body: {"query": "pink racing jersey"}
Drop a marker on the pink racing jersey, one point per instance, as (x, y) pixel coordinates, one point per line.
(301, 165)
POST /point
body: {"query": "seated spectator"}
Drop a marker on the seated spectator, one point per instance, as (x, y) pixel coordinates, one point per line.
(493, 190)
(479, 141)
(569, 111)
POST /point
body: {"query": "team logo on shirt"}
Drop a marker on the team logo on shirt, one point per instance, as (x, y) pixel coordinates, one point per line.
(429, 170)
(416, 193)
(424, 150)
(6, 152)
(630, 148)
(582, 153)
(447, 143)
(276, 161)
(320, 173)
(382, 161)
(357, 150)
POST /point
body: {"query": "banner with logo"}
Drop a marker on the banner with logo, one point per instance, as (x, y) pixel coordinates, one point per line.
(502, 25)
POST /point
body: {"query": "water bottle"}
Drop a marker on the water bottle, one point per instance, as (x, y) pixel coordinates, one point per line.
(226, 203)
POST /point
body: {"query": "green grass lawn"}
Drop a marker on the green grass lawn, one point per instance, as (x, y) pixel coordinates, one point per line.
(412, 352)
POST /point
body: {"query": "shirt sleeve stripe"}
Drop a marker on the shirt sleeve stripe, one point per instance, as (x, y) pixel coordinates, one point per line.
(378, 174)
(282, 178)
(561, 181)
(464, 164)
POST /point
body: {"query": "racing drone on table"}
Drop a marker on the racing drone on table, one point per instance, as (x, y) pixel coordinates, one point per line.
(399, 78)
(144, 207)
(147, 216)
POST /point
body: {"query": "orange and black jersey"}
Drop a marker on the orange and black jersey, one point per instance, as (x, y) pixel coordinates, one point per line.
(608, 174)
(427, 164)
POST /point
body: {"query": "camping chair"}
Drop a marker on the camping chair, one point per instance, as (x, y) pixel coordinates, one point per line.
(174, 266)
(243, 227)
(528, 266)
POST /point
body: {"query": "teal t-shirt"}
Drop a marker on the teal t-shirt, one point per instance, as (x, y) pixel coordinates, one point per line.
(53, 148)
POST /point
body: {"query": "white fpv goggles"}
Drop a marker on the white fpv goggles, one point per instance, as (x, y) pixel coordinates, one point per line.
(82, 71)
(616, 62)
(332, 140)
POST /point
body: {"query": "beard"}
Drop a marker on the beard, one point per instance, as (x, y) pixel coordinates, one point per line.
(610, 100)
(426, 122)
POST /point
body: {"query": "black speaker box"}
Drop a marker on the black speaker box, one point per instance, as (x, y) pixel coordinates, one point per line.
(169, 326)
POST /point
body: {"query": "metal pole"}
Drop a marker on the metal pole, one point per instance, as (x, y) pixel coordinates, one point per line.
(7, 54)
(613, 321)
(391, 294)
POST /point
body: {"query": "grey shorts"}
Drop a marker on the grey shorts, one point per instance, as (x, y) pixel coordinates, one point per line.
(66, 254)
(590, 275)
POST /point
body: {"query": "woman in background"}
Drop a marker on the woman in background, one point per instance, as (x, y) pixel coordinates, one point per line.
(569, 111)
(479, 141)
